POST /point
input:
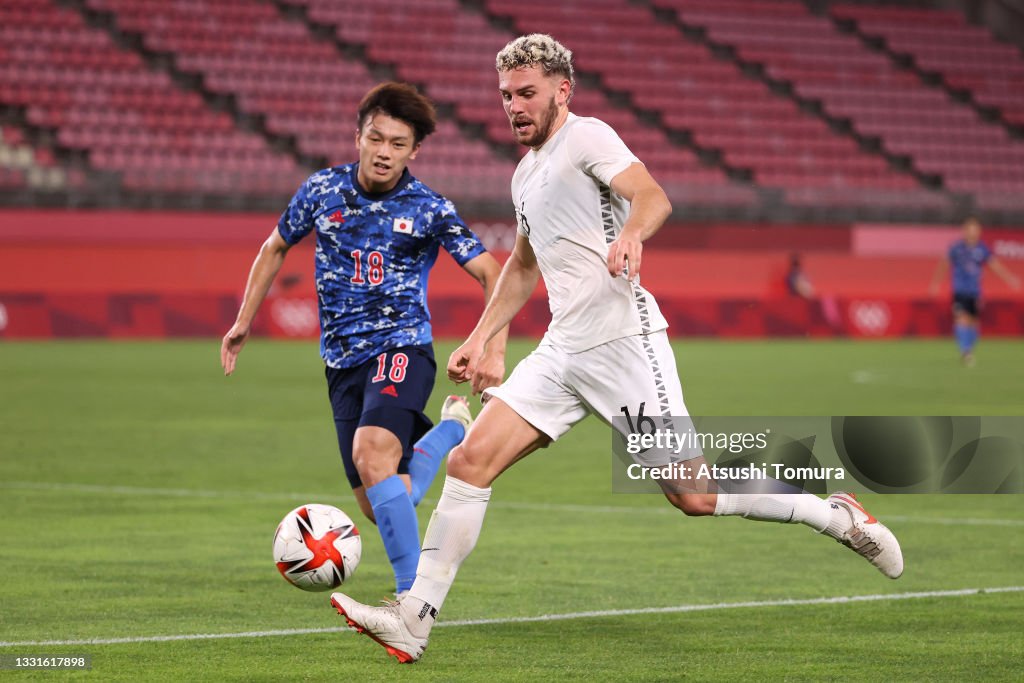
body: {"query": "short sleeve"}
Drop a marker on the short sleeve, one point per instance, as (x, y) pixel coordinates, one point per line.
(297, 220)
(597, 150)
(458, 240)
(986, 253)
(522, 227)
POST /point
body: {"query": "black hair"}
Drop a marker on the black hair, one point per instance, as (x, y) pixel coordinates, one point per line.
(403, 102)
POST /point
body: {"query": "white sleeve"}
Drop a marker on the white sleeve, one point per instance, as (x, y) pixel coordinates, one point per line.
(597, 150)
(522, 227)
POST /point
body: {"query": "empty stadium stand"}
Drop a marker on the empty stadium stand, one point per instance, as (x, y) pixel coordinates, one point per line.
(946, 137)
(451, 51)
(742, 108)
(300, 84)
(815, 164)
(102, 100)
(23, 167)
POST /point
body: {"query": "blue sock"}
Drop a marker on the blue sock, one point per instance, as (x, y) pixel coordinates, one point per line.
(972, 337)
(398, 527)
(963, 337)
(428, 453)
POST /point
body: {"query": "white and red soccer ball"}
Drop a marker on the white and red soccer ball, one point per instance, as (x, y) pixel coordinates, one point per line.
(317, 547)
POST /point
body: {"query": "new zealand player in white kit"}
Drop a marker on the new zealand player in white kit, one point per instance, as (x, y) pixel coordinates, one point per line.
(584, 205)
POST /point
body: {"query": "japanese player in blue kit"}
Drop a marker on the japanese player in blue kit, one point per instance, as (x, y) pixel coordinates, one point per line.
(967, 257)
(378, 232)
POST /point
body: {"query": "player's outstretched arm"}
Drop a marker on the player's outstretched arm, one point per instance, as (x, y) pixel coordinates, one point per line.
(1000, 269)
(649, 208)
(261, 276)
(516, 283)
(491, 369)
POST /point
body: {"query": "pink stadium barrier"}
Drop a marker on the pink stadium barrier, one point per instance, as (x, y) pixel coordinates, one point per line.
(153, 274)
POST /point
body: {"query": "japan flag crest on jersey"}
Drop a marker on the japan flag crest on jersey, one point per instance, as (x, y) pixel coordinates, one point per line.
(402, 225)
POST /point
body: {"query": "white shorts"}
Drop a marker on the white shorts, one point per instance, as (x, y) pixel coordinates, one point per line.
(553, 390)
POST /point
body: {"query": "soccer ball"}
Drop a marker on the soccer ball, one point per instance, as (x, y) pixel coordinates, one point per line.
(317, 547)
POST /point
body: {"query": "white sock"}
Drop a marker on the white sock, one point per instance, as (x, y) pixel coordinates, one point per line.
(450, 537)
(805, 508)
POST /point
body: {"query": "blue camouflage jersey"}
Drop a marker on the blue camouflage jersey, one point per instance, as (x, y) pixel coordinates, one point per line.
(967, 262)
(373, 258)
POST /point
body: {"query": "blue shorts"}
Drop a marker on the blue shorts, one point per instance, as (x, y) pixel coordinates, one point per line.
(966, 303)
(389, 391)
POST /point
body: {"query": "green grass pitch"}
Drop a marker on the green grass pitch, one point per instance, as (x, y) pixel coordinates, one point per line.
(139, 490)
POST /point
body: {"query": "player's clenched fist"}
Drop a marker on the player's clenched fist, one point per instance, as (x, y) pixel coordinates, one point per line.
(490, 370)
(463, 361)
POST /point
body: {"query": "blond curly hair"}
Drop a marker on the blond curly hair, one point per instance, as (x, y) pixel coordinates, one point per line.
(538, 48)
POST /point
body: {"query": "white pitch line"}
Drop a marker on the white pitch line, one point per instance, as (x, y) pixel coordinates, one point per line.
(499, 504)
(676, 609)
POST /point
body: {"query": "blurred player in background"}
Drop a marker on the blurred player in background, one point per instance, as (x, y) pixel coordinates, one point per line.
(584, 204)
(798, 284)
(967, 257)
(378, 230)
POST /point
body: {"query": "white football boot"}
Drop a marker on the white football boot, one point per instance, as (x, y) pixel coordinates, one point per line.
(457, 408)
(384, 624)
(868, 537)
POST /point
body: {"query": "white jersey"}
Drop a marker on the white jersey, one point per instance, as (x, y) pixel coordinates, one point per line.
(566, 208)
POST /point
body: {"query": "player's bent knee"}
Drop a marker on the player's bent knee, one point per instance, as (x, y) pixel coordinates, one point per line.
(460, 463)
(371, 468)
(376, 455)
(495, 441)
(471, 462)
(693, 504)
